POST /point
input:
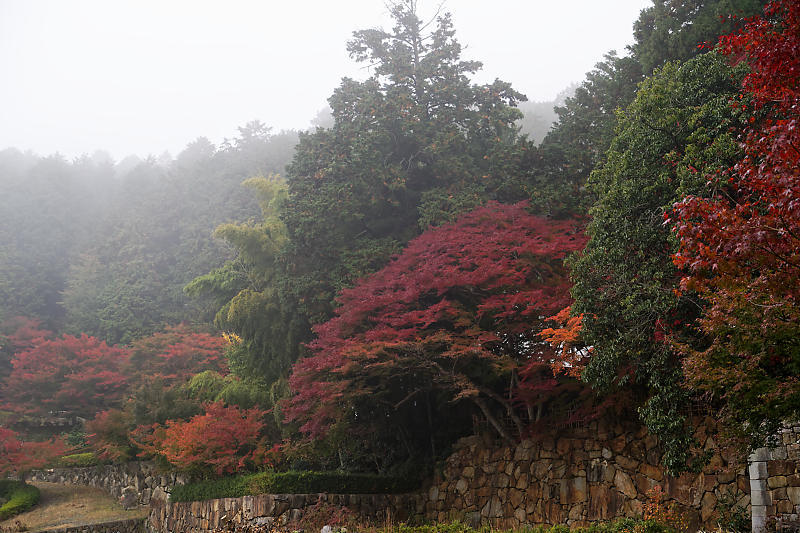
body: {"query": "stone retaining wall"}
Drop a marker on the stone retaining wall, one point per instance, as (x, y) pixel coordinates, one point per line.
(238, 514)
(134, 483)
(600, 472)
(596, 473)
(775, 484)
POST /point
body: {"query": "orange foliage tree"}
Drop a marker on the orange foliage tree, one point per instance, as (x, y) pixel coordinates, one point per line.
(222, 440)
(17, 455)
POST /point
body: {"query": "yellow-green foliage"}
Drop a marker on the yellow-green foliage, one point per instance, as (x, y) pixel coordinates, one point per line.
(78, 459)
(19, 495)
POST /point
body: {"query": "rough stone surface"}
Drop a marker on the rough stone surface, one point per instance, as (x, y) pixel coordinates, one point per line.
(139, 481)
(775, 483)
(129, 498)
(581, 475)
(602, 471)
(236, 514)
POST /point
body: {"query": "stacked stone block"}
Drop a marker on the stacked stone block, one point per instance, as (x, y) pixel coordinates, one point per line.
(134, 483)
(601, 472)
(775, 484)
(236, 514)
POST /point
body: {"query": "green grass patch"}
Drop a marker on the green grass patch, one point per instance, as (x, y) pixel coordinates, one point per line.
(19, 497)
(306, 482)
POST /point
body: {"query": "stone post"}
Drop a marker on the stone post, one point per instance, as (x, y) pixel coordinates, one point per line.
(759, 494)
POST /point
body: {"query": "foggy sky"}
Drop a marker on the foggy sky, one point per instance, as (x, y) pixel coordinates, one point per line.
(147, 76)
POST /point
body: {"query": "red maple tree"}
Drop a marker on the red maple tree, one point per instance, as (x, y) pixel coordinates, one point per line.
(68, 375)
(107, 434)
(223, 440)
(741, 246)
(18, 455)
(456, 312)
(176, 354)
(20, 333)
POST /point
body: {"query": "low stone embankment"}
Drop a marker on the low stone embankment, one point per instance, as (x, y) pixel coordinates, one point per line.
(595, 473)
(275, 509)
(600, 472)
(134, 483)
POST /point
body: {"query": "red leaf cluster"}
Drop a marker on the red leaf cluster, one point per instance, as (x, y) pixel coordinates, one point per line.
(24, 333)
(73, 375)
(223, 440)
(177, 354)
(741, 247)
(18, 456)
(107, 434)
(474, 290)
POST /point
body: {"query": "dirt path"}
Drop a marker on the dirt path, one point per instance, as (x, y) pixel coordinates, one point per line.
(71, 505)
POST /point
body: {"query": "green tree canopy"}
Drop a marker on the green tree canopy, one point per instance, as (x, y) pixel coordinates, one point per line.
(679, 130)
(677, 29)
(157, 236)
(250, 289)
(413, 145)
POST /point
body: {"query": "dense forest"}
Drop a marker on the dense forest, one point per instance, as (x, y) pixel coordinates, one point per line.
(436, 258)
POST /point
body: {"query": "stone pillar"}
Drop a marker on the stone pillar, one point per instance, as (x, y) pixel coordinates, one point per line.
(759, 493)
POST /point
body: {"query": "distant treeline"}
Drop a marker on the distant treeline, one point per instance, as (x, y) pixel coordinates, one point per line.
(105, 248)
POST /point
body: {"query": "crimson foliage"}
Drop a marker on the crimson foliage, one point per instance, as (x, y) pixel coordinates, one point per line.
(456, 314)
(741, 244)
(72, 375)
(178, 353)
(17, 334)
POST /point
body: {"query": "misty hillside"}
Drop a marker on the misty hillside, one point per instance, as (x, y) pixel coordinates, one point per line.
(105, 248)
(436, 257)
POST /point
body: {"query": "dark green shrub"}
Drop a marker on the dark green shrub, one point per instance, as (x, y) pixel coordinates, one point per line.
(227, 487)
(292, 483)
(310, 482)
(20, 496)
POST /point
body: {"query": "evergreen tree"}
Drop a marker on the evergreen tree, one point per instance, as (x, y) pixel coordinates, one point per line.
(412, 146)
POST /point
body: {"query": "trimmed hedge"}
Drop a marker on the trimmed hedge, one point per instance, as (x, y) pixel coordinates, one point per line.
(78, 460)
(292, 483)
(227, 487)
(310, 482)
(20, 496)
